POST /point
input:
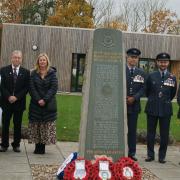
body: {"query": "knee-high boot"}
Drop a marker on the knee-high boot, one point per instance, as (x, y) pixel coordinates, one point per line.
(42, 149)
(37, 148)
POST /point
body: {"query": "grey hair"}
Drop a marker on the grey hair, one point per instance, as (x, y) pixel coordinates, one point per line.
(17, 52)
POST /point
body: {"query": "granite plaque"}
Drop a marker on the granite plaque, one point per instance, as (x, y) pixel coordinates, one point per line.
(103, 116)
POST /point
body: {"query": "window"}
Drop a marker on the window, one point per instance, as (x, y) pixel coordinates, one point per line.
(148, 65)
(77, 72)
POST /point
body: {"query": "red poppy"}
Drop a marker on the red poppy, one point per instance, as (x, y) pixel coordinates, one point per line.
(127, 169)
(69, 170)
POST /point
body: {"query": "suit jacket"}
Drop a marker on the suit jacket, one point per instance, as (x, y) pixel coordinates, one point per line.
(135, 87)
(0, 89)
(19, 90)
(160, 93)
(178, 101)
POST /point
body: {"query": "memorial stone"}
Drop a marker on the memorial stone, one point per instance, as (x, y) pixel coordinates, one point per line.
(103, 115)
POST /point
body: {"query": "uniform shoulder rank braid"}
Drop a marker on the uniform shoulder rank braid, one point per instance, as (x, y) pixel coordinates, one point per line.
(138, 78)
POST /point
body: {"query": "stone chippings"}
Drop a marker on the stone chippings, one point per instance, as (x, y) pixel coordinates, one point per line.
(48, 172)
(44, 172)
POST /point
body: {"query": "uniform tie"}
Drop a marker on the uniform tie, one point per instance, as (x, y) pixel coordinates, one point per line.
(162, 75)
(131, 71)
(14, 75)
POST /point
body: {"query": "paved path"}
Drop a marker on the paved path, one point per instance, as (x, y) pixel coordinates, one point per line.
(17, 166)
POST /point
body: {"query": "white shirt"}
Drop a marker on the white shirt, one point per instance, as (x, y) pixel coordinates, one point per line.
(165, 71)
(17, 69)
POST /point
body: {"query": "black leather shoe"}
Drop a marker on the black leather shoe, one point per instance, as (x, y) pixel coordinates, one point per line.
(162, 161)
(16, 149)
(149, 159)
(133, 158)
(3, 149)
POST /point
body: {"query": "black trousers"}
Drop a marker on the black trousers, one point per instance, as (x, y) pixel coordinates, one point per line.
(17, 121)
(132, 128)
(164, 124)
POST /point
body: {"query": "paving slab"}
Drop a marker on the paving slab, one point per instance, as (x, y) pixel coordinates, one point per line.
(16, 176)
(52, 155)
(17, 166)
(67, 148)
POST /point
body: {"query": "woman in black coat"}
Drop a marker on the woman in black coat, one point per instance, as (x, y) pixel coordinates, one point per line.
(43, 107)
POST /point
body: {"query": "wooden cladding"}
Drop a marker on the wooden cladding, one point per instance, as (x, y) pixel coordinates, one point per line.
(60, 43)
(153, 44)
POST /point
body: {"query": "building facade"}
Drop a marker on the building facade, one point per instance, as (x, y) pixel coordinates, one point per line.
(68, 48)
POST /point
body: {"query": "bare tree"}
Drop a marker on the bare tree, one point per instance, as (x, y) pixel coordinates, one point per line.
(136, 14)
(176, 28)
(102, 11)
(147, 8)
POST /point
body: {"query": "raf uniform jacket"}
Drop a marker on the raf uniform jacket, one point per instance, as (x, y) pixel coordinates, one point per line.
(135, 87)
(160, 93)
(19, 90)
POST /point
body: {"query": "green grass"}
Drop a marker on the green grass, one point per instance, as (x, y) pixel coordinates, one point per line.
(175, 123)
(68, 117)
(68, 120)
(69, 108)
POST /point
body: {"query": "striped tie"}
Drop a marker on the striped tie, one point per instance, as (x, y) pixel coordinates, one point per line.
(14, 75)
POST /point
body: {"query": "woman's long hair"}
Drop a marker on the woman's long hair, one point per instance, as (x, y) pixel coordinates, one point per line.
(37, 62)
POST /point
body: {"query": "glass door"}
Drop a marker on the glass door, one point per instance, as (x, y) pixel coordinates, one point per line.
(77, 72)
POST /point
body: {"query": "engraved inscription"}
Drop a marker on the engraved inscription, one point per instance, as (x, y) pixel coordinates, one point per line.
(108, 41)
(105, 125)
(114, 151)
(107, 56)
(103, 115)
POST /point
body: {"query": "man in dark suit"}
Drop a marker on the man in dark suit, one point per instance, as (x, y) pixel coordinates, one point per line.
(14, 87)
(160, 89)
(135, 81)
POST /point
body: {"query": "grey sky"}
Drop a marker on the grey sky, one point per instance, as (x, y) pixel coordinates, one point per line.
(174, 5)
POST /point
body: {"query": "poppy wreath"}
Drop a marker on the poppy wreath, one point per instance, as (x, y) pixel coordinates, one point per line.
(70, 168)
(95, 168)
(127, 169)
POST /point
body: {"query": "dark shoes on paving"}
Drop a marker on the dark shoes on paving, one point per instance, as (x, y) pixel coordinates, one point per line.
(162, 161)
(3, 149)
(39, 148)
(133, 158)
(149, 159)
(16, 149)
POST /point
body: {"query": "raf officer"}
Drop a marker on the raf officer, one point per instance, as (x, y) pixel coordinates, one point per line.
(160, 90)
(135, 80)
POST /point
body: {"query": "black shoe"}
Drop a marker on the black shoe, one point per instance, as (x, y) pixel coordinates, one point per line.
(3, 149)
(37, 149)
(42, 149)
(149, 159)
(162, 161)
(133, 158)
(16, 149)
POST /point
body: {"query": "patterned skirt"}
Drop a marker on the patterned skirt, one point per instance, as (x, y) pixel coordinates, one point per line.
(44, 133)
